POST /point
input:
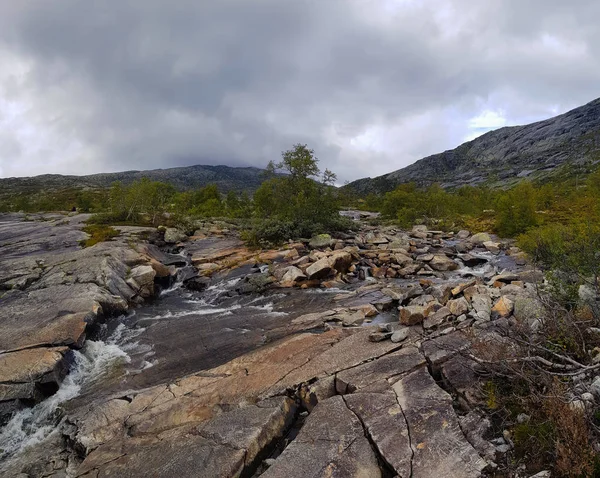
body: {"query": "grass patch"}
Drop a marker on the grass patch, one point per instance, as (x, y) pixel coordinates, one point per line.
(98, 233)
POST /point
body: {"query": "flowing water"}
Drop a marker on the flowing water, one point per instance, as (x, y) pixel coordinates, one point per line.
(181, 332)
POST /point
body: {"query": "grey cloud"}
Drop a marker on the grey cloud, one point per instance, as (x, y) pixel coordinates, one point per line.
(117, 85)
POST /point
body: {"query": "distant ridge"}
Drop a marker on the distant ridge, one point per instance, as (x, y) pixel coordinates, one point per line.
(506, 155)
(188, 177)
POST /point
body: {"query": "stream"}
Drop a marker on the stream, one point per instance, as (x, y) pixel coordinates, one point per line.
(179, 333)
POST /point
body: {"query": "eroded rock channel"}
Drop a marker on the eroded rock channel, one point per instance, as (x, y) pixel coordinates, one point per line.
(334, 357)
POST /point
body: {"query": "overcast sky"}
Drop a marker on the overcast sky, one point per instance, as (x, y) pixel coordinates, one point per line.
(372, 85)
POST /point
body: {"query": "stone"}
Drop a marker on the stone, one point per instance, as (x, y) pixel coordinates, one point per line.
(340, 261)
(30, 365)
(400, 335)
(320, 269)
(441, 292)
(331, 443)
(174, 235)
(386, 427)
(482, 306)
(506, 277)
(491, 246)
(293, 275)
(458, 306)
(441, 262)
(440, 447)
(527, 309)
(437, 318)
(402, 259)
(320, 241)
(480, 238)
(383, 369)
(463, 234)
(595, 388)
(379, 336)
(476, 428)
(503, 307)
(143, 276)
(412, 314)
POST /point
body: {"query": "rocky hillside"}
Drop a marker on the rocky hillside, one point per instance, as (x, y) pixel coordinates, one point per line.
(190, 177)
(504, 156)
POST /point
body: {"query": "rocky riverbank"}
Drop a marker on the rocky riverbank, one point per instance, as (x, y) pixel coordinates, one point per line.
(329, 357)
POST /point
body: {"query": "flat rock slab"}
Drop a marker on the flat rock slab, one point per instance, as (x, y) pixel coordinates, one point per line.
(383, 368)
(384, 421)
(330, 444)
(440, 448)
(30, 365)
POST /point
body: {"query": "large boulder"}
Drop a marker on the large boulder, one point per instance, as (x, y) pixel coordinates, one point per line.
(174, 235)
(321, 241)
(320, 269)
(340, 261)
(412, 314)
(292, 275)
(441, 262)
(141, 279)
(480, 238)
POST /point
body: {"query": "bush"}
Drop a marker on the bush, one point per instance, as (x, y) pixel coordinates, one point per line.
(98, 233)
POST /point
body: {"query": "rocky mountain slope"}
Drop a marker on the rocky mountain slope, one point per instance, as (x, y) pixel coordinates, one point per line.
(190, 177)
(504, 156)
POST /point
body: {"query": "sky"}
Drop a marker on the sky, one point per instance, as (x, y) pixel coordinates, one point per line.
(92, 86)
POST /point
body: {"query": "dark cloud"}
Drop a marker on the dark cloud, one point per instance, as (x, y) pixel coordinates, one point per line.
(371, 86)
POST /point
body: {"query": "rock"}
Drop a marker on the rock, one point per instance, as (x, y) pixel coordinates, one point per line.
(527, 309)
(340, 261)
(412, 314)
(503, 307)
(482, 306)
(458, 306)
(174, 235)
(400, 335)
(472, 261)
(320, 269)
(385, 424)
(491, 246)
(441, 262)
(292, 275)
(441, 292)
(425, 257)
(437, 318)
(440, 447)
(463, 234)
(480, 238)
(32, 365)
(254, 283)
(402, 259)
(371, 375)
(331, 443)
(506, 277)
(352, 319)
(143, 277)
(595, 388)
(476, 428)
(320, 241)
(459, 289)
(379, 336)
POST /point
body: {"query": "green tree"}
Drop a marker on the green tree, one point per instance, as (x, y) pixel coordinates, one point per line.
(516, 210)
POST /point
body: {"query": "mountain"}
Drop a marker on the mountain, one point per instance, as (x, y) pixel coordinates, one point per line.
(504, 156)
(189, 177)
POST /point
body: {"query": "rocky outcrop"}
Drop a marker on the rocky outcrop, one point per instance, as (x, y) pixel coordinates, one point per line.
(54, 291)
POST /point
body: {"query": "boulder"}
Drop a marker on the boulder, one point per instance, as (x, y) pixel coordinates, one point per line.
(292, 275)
(458, 306)
(340, 261)
(435, 319)
(462, 234)
(503, 307)
(491, 246)
(320, 241)
(441, 262)
(143, 277)
(320, 269)
(400, 335)
(174, 235)
(412, 314)
(479, 238)
(482, 306)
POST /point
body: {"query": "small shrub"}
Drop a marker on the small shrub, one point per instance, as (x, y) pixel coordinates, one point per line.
(98, 233)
